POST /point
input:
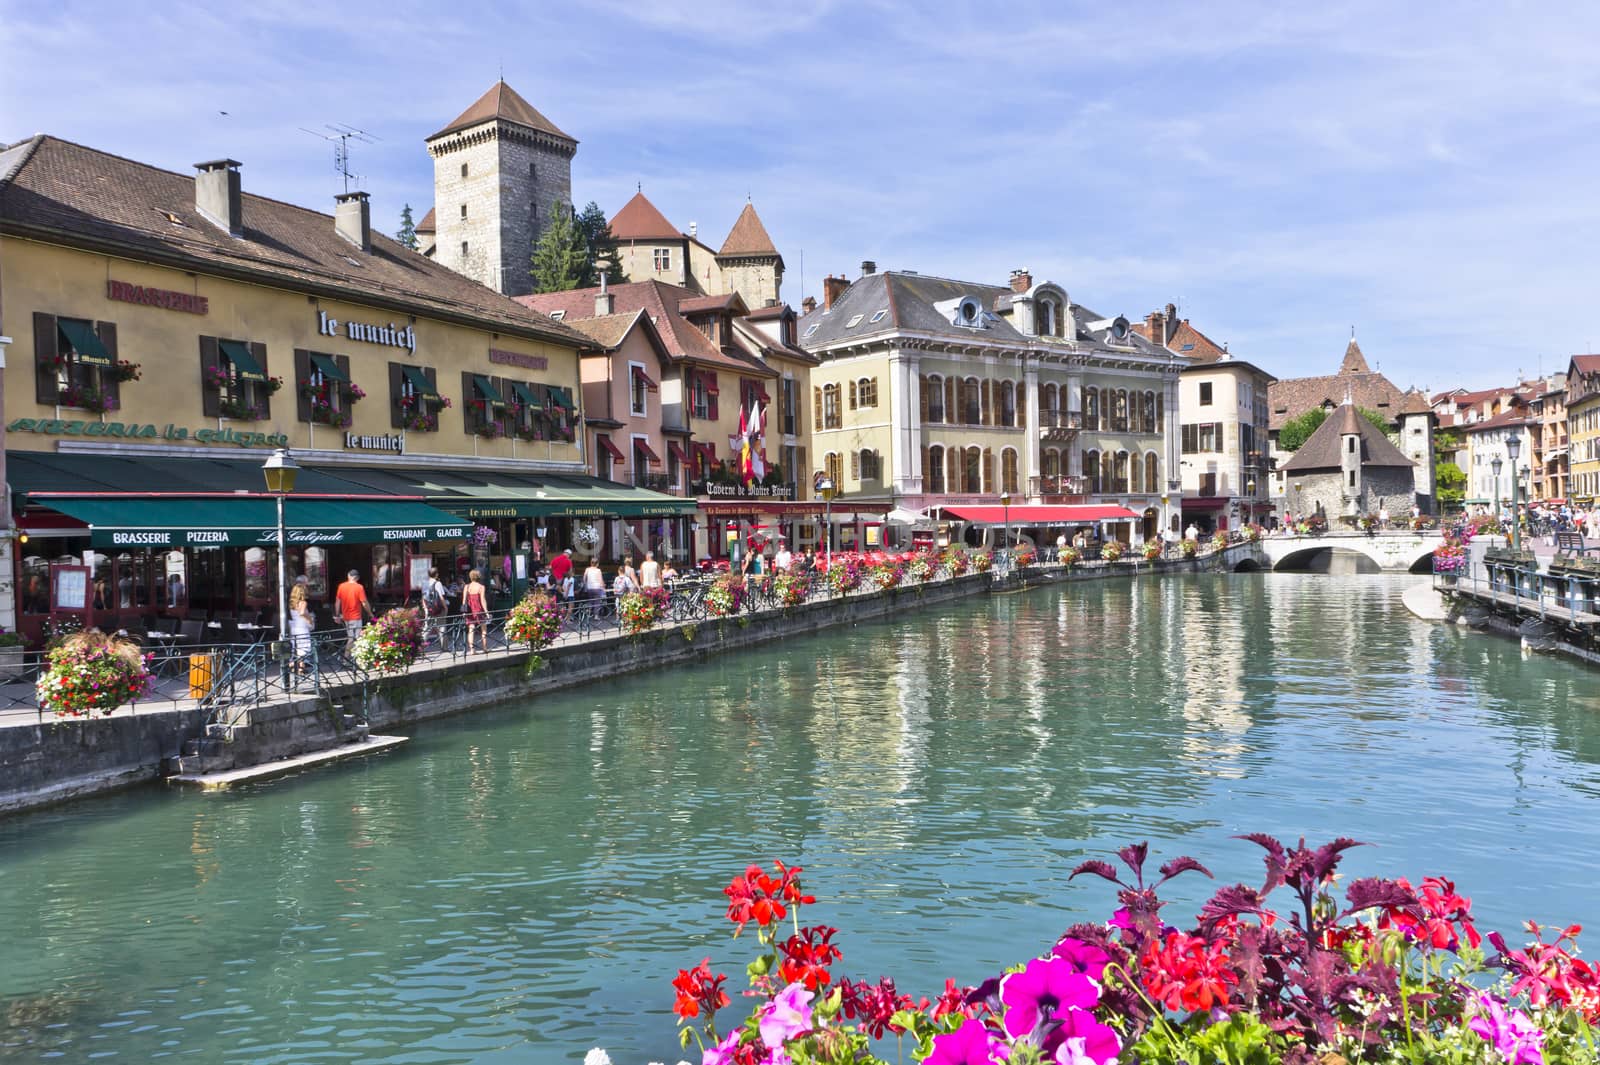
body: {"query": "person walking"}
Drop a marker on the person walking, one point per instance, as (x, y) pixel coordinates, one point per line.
(783, 559)
(353, 608)
(560, 566)
(435, 606)
(594, 581)
(649, 571)
(300, 629)
(475, 608)
(624, 583)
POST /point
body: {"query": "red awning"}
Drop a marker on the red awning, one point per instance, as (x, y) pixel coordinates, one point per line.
(1035, 514)
(644, 378)
(610, 449)
(1206, 503)
(676, 451)
(643, 447)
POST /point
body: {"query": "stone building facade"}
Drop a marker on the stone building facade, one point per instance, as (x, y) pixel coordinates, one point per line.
(499, 170)
(651, 248)
(1347, 469)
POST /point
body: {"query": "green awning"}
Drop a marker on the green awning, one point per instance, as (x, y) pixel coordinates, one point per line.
(244, 364)
(528, 396)
(558, 396)
(486, 389)
(419, 382)
(80, 336)
(325, 365)
(252, 521)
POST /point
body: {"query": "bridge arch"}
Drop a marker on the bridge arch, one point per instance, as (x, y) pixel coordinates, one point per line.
(1406, 553)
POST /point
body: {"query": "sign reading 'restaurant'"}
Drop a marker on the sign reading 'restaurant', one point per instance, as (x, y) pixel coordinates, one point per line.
(157, 297)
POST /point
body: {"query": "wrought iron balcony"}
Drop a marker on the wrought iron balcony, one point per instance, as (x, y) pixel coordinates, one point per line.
(1046, 487)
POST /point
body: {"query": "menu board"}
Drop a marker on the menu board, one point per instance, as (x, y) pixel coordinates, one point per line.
(420, 565)
(71, 587)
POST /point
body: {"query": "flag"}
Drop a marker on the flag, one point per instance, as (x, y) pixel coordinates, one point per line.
(758, 422)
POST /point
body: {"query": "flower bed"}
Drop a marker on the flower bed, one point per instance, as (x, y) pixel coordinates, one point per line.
(1449, 557)
(1348, 971)
(390, 644)
(845, 573)
(536, 621)
(1188, 548)
(1219, 541)
(921, 567)
(1024, 557)
(725, 597)
(91, 671)
(886, 572)
(641, 610)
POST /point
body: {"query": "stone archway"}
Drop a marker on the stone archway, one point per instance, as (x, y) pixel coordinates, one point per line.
(1151, 524)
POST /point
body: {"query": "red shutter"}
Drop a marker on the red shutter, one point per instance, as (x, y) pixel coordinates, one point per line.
(210, 359)
(46, 346)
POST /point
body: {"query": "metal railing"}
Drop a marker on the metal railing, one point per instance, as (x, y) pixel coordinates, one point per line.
(1559, 593)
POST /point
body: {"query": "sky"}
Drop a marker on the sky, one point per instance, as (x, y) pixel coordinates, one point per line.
(1423, 173)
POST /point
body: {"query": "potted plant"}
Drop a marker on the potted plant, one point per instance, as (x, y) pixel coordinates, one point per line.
(91, 671)
(1111, 551)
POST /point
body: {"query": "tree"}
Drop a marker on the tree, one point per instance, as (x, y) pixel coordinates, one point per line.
(1449, 480)
(561, 257)
(1297, 430)
(407, 235)
(601, 247)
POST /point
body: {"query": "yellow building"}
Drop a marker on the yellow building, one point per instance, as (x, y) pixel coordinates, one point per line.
(169, 330)
(1583, 429)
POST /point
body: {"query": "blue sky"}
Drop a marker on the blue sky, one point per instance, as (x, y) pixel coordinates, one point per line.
(1423, 172)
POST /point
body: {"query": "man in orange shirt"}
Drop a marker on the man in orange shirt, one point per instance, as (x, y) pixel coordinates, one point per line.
(353, 607)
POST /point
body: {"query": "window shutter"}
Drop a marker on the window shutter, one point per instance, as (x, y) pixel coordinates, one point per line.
(988, 402)
(263, 397)
(816, 405)
(950, 413)
(110, 387)
(469, 418)
(852, 395)
(988, 470)
(855, 465)
(922, 395)
(1021, 420)
(46, 346)
(210, 359)
(952, 466)
(302, 377)
(926, 467)
(502, 385)
(800, 475)
(874, 391)
(343, 362)
(711, 397)
(397, 378)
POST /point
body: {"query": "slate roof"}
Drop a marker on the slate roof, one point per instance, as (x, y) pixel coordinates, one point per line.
(80, 197)
(660, 302)
(1323, 449)
(504, 103)
(748, 236)
(639, 219)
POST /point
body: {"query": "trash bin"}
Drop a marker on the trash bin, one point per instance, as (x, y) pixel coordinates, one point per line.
(201, 670)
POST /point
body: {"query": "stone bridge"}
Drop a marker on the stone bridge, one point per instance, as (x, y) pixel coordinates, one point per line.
(1391, 552)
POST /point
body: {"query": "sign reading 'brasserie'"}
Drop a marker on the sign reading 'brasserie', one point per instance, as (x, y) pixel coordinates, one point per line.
(157, 297)
(257, 537)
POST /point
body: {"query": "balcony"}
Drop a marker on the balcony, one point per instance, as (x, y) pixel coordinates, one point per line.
(1057, 487)
(1059, 426)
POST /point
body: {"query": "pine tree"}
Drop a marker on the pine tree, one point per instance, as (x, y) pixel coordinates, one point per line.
(601, 248)
(561, 257)
(408, 230)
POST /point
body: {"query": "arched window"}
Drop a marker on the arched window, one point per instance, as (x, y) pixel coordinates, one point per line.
(1091, 470)
(1091, 413)
(1152, 482)
(933, 477)
(866, 391)
(1049, 318)
(972, 471)
(1051, 463)
(935, 390)
(1008, 403)
(1048, 404)
(1105, 410)
(1008, 471)
(833, 463)
(832, 416)
(1108, 480)
(970, 411)
(1136, 475)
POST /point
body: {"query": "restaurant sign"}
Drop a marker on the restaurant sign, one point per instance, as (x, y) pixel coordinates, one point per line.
(146, 431)
(715, 490)
(187, 302)
(111, 537)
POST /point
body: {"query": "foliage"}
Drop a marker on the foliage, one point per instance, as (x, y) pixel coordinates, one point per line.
(844, 573)
(1111, 551)
(61, 627)
(1449, 483)
(1253, 533)
(954, 560)
(1219, 540)
(791, 588)
(484, 537)
(725, 597)
(1450, 556)
(600, 248)
(124, 371)
(536, 620)
(1024, 556)
(91, 671)
(1152, 550)
(641, 610)
(86, 397)
(886, 572)
(921, 567)
(406, 236)
(982, 561)
(1297, 430)
(1069, 556)
(10, 639)
(390, 644)
(561, 258)
(1188, 548)
(1391, 972)
(322, 394)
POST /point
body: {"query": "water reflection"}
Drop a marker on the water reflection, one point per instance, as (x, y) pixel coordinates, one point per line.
(519, 884)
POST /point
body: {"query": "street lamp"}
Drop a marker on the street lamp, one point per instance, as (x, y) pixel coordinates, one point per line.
(280, 471)
(1495, 467)
(1005, 502)
(826, 489)
(1513, 446)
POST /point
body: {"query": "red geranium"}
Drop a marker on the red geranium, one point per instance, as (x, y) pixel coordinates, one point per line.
(757, 897)
(1187, 972)
(699, 990)
(806, 957)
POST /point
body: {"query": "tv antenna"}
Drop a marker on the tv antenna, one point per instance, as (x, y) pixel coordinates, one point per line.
(341, 135)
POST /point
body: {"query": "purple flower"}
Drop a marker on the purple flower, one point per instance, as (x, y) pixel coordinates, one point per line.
(1042, 993)
(786, 1016)
(722, 1053)
(1085, 1041)
(1086, 958)
(1512, 1033)
(1121, 920)
(971, 1044)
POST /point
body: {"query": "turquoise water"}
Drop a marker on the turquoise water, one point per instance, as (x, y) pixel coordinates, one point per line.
(520, 884)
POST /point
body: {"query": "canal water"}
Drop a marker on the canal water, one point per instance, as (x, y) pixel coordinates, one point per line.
(520, 884)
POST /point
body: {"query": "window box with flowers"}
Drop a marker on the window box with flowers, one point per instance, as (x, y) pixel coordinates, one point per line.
(234, 380)
(331, 401)
(420, 414)
(87, 397)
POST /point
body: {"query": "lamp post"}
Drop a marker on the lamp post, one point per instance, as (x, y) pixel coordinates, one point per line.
(1494, 466)
(1513, 447)
(280, 471)
(1005, 503)
(826, 489)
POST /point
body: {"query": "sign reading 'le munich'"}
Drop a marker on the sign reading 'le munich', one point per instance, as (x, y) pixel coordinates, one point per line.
(157, 297)
(388, 334)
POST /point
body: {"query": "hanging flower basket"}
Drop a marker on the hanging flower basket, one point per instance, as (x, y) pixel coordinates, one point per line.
(91, 672)
(536, 621)
(1111, 551)
(725, 598)
(641, 610)
(1152, 550)
(955, 561)
(390, 644)
(587, 535)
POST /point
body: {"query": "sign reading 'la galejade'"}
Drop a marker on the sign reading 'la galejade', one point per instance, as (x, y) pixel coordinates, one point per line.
(146, 431)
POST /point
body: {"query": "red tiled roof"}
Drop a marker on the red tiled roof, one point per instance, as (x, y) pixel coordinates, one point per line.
(1354, 361)
(427, 225)
(640, 220)
(1205, 349)
(1587, 363)
(502, 102)
(729, 302)
(1504, 418)
(748, 236)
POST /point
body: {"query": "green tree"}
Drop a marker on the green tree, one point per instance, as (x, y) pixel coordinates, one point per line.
(1297, 430)
(1449, 480)
(561, 257)
(601, 247)
(407, 235)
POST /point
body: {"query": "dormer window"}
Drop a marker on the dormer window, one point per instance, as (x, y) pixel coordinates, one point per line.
(1119, 329)
(969, 313)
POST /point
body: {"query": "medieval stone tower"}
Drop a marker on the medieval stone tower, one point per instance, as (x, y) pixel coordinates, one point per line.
(498, 171)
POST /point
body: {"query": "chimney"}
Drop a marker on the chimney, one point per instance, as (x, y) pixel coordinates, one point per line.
(1156, 324)
(832, 289)
(1172, 321)
(352, 219)
(1021, 280)
(217, 196)
(808, 305)
(868, 267)
(694, 230)
(604, 303)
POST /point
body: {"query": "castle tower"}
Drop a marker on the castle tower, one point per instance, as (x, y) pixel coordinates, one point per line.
(750, 264)
(497, 171)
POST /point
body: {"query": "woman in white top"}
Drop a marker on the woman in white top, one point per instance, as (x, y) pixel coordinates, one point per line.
(594, 581)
